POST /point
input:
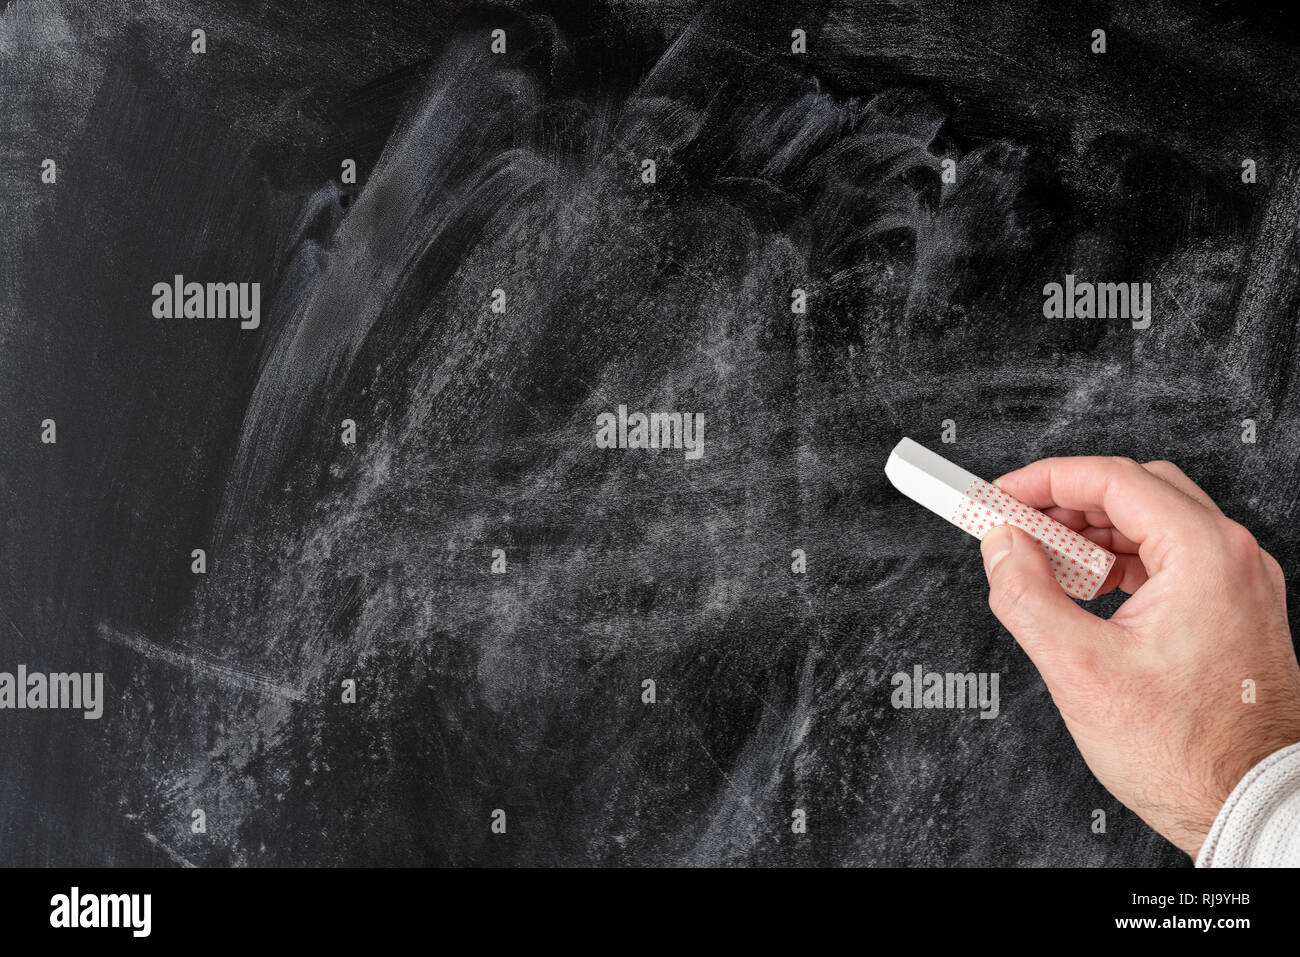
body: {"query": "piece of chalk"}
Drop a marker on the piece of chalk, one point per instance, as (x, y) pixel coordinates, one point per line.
(976, 506)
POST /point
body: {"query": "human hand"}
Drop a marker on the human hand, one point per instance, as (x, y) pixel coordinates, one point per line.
(1154, 696)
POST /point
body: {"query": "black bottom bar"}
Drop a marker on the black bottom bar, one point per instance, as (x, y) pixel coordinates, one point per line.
(340, 907)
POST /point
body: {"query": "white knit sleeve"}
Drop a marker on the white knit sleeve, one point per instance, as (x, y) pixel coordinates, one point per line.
(1259, 824)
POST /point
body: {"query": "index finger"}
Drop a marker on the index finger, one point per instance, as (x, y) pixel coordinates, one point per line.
(1142, 506)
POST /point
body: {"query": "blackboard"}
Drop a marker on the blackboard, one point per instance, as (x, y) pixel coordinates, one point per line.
(431, 644)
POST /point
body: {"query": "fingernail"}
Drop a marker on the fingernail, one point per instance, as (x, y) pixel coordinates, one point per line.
(995, 547)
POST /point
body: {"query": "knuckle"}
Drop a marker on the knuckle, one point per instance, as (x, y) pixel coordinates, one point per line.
(1163, 467)
(1237, 537)
(1272, 564)
(1009, 596)
(1274, 568)
(1124, 469)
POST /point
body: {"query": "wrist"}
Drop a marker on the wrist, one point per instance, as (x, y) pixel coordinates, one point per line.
(1257, 825)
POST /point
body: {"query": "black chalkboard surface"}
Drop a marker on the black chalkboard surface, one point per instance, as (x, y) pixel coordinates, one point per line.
(456, 436)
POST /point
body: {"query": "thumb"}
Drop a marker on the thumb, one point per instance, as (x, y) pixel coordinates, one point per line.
(1026, 597)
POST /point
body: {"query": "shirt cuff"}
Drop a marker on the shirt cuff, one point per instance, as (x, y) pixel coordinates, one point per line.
(1259, 824)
